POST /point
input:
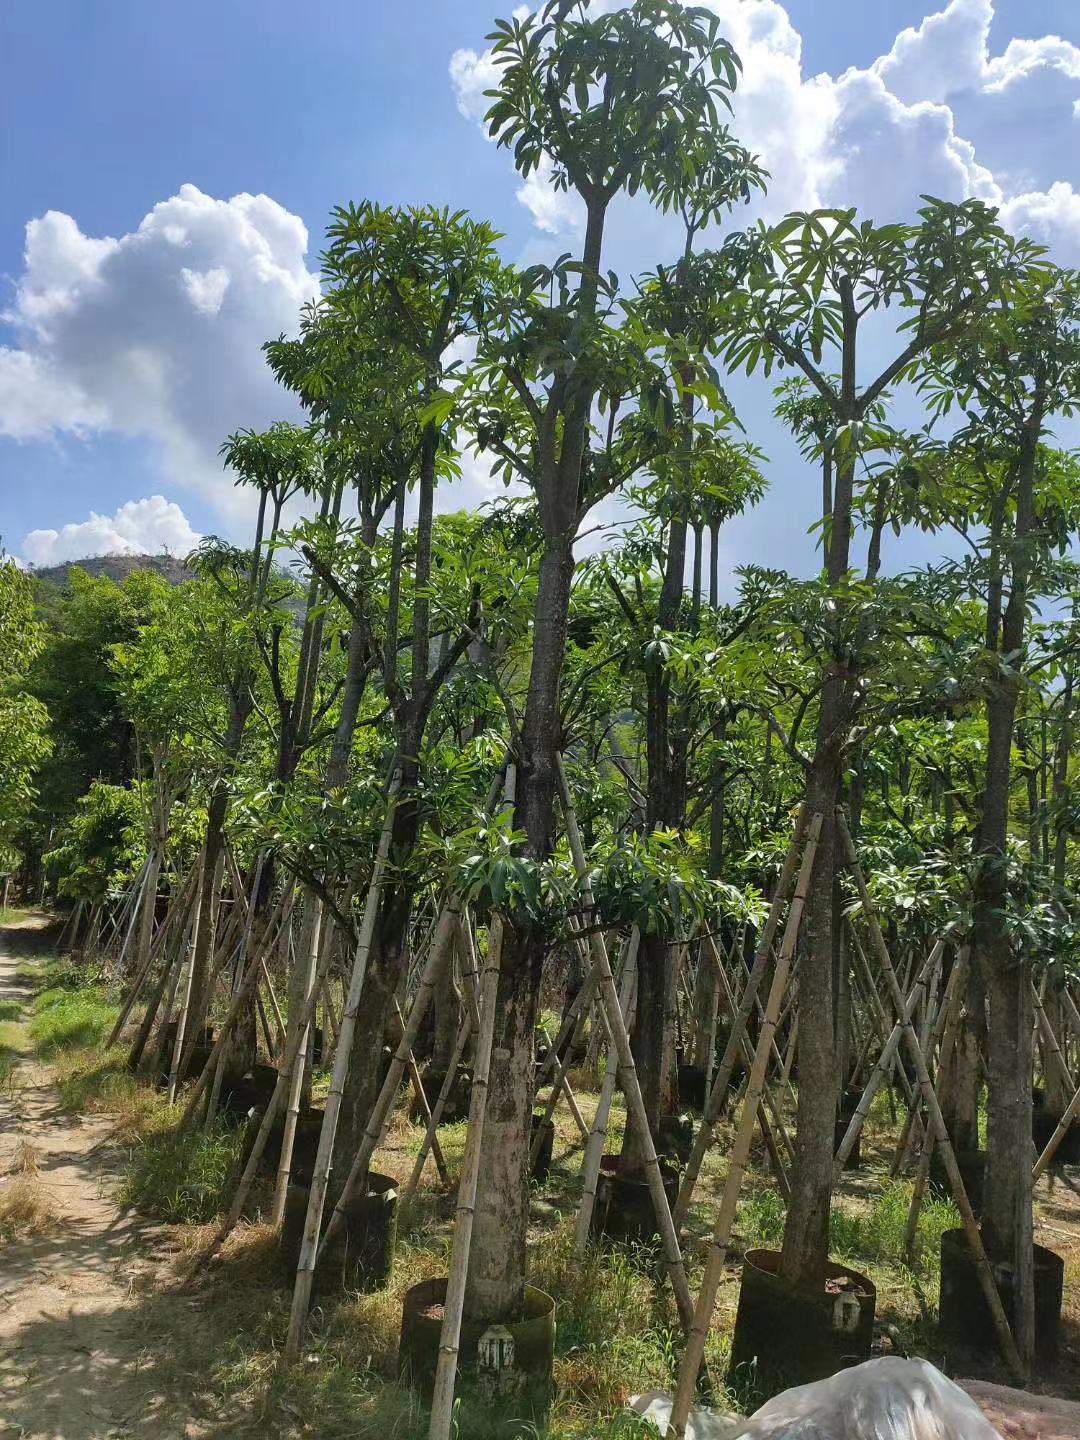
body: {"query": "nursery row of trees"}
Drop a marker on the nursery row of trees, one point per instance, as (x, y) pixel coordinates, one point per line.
(380, 664)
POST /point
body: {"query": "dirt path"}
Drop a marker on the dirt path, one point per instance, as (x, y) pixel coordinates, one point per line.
(80, 1330)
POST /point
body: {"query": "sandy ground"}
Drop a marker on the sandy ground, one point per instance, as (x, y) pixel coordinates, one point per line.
(77, 1356)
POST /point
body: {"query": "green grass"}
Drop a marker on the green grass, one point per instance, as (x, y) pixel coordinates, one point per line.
(10, 1037)
(183, 1177)
(70, 1017)
(875, 1235)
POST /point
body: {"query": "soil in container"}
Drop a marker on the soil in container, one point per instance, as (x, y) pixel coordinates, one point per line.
(504, 1371)
(542, 1166)
(199, 1055)
(972, 1167)
(792, 1336)
(362, 1255)
(623, 1212)
(963, 1314)
(457, 1102)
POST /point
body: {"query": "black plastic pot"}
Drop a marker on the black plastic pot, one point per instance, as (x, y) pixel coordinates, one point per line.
(623, 1212)
(247, 1094)
(794, 1336)
(692, 1087)
(457, 1102)
(204, 1044)
(972, 1167)
(542, 1165)
(362, 1255)
(963, 1314)
(503, 1369)
(849, 1103)
(676, 1138)
(1043, 1124)
(305, 1144)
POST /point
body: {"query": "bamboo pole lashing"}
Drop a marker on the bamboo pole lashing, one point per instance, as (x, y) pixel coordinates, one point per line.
(694, 1352)
(717, 1097)
(971, 1228)
(628, 1070)
(305, 1270)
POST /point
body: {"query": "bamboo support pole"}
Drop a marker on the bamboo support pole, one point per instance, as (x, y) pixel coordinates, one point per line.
(292, 1054)
(718, 1095)
(211, 1070)
(768, 1106)
(437, 958)
(137, 983)
(305, 1270)
(313, 937)
(886, 1059)
(628, 1070)
(594, 1147)
(953, 1005)
(1061, 1130)
(982, 1265)
(442, 1402)
(694, 1353)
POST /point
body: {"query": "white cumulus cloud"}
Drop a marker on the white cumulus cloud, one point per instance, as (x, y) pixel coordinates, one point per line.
(158, 333)
(876, 138)
(141, 527)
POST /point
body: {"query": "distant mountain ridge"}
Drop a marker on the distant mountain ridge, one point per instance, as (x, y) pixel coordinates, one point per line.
(117, 568)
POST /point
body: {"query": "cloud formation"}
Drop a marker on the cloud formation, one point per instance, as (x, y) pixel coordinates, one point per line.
(876, 138)
(158, 333)
(141, 527)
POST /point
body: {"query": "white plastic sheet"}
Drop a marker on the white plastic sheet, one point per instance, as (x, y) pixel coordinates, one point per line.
(885, 1399)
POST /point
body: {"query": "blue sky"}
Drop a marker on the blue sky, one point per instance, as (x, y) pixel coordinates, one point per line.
(134, 312)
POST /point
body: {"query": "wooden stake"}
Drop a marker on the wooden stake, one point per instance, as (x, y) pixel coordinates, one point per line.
(305, 1270)
(718, 1095)
(442, 1402)
(694, 1353)
(971, 1228)
(628, 1071)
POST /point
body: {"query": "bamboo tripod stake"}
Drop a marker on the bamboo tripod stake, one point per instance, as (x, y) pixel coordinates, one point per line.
(380, 1115)
(740, 1155)
(594, 1148)
(305, 1270)
(469, 1025)
(718, 1095)
(628, 1071)
(442, 1400)
(886, 1060)
(952, 1005)
(971, 1228)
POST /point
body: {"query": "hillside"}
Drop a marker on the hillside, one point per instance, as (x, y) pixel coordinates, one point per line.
(117, 567)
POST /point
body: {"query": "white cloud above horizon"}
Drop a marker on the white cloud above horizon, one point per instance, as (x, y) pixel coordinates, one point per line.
(876, 138)
(157, 334)
(152, 526)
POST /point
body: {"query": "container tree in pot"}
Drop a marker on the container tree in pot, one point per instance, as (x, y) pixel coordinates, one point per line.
(599, 102)
(808, 286)
(1011, 374)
